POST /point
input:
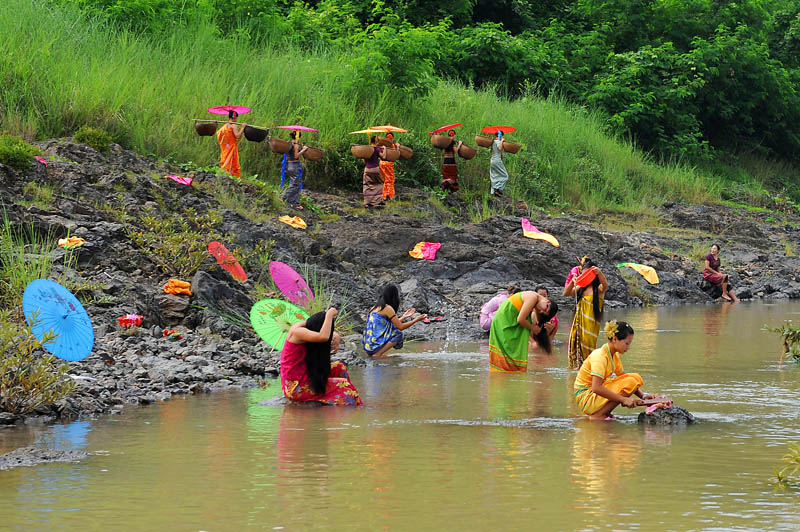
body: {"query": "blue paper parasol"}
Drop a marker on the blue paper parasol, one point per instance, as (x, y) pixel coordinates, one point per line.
(55, 309)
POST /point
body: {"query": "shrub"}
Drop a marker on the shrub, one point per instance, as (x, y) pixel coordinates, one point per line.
(16, 153)
(791, 339)
(97, 138)
(29, 378)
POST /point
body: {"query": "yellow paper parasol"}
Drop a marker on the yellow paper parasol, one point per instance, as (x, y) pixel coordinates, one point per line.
(367, 131)
(389, 128)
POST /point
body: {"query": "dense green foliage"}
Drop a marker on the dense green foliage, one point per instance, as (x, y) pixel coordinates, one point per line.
(95, 137)
(16, 153)
(680, 76)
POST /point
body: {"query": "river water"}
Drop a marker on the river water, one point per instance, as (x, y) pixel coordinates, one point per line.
(444, 444)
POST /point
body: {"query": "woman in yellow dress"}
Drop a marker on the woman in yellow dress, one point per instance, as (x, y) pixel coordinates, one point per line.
(596, 391)
(228, 137)
(588, 313)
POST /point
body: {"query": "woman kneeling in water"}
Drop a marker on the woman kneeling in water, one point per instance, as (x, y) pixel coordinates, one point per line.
(596, 391)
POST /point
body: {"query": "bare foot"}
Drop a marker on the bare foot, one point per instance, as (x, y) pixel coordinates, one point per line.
(726, 298)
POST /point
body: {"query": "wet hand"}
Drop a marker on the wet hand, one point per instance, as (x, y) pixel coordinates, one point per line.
(630, 402)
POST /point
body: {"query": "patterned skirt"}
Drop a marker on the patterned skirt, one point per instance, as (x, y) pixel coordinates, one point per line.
(373, 187)
(339, 391)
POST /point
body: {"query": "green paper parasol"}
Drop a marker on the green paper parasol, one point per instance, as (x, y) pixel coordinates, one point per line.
(271, 319)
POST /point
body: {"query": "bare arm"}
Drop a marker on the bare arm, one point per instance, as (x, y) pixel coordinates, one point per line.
(238, 132)
(603, 282)
(569, 290)
(302, 334)
(401, 325)
(708, 267)
(528, 303)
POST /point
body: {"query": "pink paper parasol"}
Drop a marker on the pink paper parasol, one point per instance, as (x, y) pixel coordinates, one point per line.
(182, 180)
(297, 127)
(290, 283)
(226, 259)
(224, 109)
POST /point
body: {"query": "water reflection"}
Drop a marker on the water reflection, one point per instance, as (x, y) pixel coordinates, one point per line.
(715, 319)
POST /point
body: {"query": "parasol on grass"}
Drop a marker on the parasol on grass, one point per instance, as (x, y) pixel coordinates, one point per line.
(225, 109)
(444, 128)
(49, 307)
(648, 272)
(298, 127)
(226, 259)
(492, 130)
(271, 319)
(290, 283)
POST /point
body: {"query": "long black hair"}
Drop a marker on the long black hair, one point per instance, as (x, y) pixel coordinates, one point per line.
(542, 337)
(318, 354)
(389, 296)
(598, 309)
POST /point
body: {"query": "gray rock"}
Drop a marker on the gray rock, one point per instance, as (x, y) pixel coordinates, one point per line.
(674, 415)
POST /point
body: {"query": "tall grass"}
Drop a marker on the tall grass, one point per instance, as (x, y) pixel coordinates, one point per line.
(61, 70)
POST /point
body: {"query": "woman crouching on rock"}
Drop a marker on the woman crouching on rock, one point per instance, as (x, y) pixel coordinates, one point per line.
(307, 373)
(596, 392)
(384, 328)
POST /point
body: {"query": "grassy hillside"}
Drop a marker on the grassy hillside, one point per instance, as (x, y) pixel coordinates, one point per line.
(61, 70)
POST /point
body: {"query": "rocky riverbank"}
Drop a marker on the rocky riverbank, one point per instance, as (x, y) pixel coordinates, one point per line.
(142, 229)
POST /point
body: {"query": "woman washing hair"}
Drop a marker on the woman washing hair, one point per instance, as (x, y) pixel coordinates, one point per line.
(596, 392)
(519, 316)
(228, 138)
(307, 373)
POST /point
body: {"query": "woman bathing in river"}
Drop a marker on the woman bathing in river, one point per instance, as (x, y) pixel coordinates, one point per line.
(307, 373)
(519, 316)
(384, 328)
(596, 392)
(588, 313)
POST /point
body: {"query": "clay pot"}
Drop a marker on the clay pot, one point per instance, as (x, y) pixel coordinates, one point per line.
(205, 129)
(279, 145)
(255, 134)
(405, 152)
(511, 147)
(440, 141)
(361, 151)
(467, 152)
(390, 154)
(314, 154)
(484, 142)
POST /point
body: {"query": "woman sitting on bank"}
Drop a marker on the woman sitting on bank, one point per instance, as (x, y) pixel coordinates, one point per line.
(712, 273)
(519, 316)
(384, 328)
(307, 373)
(596, 392)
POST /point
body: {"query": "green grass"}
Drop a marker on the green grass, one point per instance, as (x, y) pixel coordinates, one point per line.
(61, 71)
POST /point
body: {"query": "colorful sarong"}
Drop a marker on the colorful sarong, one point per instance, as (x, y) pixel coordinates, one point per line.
(294, 221)
(387, 173)
(373, 187)
(508, 340)
(229, 151)
(583, 333)
(531, 231)
(450, 177)
(292, 193)
(176, 286)
(379, 331)
(601, 363)
(339, 390)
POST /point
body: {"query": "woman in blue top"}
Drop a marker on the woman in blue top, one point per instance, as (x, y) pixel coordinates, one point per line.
(294, 172)
(383, 330)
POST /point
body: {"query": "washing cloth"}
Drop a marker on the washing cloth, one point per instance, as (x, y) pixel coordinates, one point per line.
(648, 272)
(294, 221)
(71, 242)
(176, 286)
(530, 231)
(425, 250)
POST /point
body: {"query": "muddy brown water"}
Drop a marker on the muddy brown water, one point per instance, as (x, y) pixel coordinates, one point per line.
(444, 444)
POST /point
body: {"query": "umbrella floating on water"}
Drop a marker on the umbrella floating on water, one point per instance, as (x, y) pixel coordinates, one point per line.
(290, 283)
(272, 318)
(48, 306)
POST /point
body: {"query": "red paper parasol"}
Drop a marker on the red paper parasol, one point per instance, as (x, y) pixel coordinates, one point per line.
(290, 283)
(227, 261)
(444, 128)
(224, 109)
(297, 127)
(492, 130)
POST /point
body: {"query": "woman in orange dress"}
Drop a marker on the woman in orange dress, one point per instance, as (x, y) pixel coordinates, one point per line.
(228, 137)
(387, 172)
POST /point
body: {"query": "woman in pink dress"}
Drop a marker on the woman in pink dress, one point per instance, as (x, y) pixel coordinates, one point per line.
(307, 373)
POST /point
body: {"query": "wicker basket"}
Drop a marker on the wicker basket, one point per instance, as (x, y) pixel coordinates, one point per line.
(511, 147)
(483, 142)
(279, 145)
(386, 143)
(467, 152)
(314, 154)
(255, 134)
(390, 154)
(205, 129)
(362, 151)
(440, 141)
(405, 152)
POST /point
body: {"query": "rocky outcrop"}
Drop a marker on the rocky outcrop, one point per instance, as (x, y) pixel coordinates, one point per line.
(673, 416)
